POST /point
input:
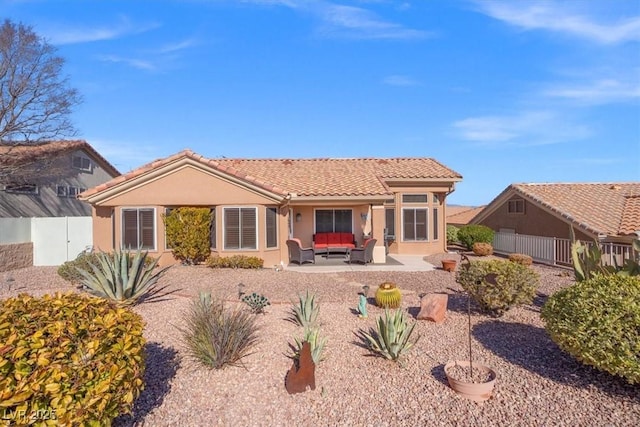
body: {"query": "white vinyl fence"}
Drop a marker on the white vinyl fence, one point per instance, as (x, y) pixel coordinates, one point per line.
(554, 251)
(55, 240)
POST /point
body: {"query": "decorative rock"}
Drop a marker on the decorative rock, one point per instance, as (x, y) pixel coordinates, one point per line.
(433, 307)
(301, 374)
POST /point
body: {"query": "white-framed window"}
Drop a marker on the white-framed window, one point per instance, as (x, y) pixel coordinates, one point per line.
(271, 227)
(62, 190)
(334, 220)
(515, 206)
(139, 228)
(81, 162)
(240, 228)
(21, 188)
(74, 191)
(414, 224)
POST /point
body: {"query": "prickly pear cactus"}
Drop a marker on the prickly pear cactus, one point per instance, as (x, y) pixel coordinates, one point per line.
(388, 295)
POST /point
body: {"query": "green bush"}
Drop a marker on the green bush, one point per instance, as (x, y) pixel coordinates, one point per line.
(316, 345)
(452, 234)
(217, 336)
(235, 261)
(79, 358)
(470, 234)
(69, 270)
(122, 277)
(597, 321)
(188, 233)
(514, 284)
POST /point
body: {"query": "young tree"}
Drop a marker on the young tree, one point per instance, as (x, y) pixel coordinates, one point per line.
(35, 98)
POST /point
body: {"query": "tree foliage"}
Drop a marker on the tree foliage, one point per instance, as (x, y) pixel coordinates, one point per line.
(35, 101)
(35, 98)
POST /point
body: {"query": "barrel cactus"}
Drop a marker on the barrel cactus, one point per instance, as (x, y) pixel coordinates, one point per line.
(388, 295)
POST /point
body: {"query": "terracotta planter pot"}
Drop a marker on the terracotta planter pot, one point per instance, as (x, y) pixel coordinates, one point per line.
(478, 392)
(449, 265)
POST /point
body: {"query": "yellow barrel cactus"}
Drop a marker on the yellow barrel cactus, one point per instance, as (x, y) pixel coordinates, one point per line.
(388, 295)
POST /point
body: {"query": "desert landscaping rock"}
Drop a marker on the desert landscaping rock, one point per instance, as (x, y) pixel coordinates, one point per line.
(537, 384)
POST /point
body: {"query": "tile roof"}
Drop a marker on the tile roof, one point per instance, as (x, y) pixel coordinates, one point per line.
(309, 177)
(23, 153)
(602, 208)
(462, 214)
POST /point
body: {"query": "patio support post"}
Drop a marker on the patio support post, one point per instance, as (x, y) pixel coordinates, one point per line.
(377, 232)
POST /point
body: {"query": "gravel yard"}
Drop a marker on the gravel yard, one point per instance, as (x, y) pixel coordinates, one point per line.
(537, 384)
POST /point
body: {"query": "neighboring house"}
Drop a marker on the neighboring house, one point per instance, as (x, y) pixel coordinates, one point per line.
(43, 180)
(608, 212)
(461, 215)
(257, 204)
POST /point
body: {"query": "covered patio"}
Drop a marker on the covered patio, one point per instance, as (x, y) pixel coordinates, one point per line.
(395, 262)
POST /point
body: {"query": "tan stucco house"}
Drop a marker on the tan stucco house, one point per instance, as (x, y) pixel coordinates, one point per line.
(607, 212)
(257, 204)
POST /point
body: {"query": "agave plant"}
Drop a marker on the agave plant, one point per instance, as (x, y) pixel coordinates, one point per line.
(305, 313)
(316, 343)
(392, 339)
(122, 277)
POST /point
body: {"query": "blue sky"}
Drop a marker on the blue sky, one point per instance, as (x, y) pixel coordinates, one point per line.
(501, 92)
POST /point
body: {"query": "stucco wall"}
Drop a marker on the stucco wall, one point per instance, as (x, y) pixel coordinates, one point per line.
(16, 255)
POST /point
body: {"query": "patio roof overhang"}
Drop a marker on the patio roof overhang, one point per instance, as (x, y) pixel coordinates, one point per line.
(377, 199)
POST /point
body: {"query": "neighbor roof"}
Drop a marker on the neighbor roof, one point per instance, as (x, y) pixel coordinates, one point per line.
(600, 208)
(309, 177)
(462, 214)
(24, 153)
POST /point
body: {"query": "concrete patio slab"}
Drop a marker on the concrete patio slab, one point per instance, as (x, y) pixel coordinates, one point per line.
(394, 263)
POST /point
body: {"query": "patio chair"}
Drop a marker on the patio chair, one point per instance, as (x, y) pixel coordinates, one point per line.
(299, 254)
(363, 254)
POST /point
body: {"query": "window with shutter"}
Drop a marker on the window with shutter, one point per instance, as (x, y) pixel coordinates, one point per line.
(272, 227)
(138, 228)
(240, 228)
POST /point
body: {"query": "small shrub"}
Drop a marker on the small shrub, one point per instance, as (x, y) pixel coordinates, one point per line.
(80, 358)
(316, 344)
(482, 249)
(452, 234)
(392, 338)
(235, 261)
(523, 259)
(216, 336)
(188, 230)
(256, 302)
(470, 234)
(514, 284)
(305, 312)
(122, 277)
(597, 321)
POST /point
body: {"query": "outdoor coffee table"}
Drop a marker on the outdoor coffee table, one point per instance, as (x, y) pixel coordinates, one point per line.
(338, 252)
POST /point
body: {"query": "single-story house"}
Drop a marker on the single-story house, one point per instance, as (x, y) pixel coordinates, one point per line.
(607, 212)
(257, 204)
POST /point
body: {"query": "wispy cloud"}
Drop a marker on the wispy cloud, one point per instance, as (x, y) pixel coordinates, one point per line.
(124, 155)
(600, 91)
(73, 35)
(524, 129)
(140, 64)
(359, 23)
(343, 21)
(178, 46)
(400, 80)
(557, 16)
